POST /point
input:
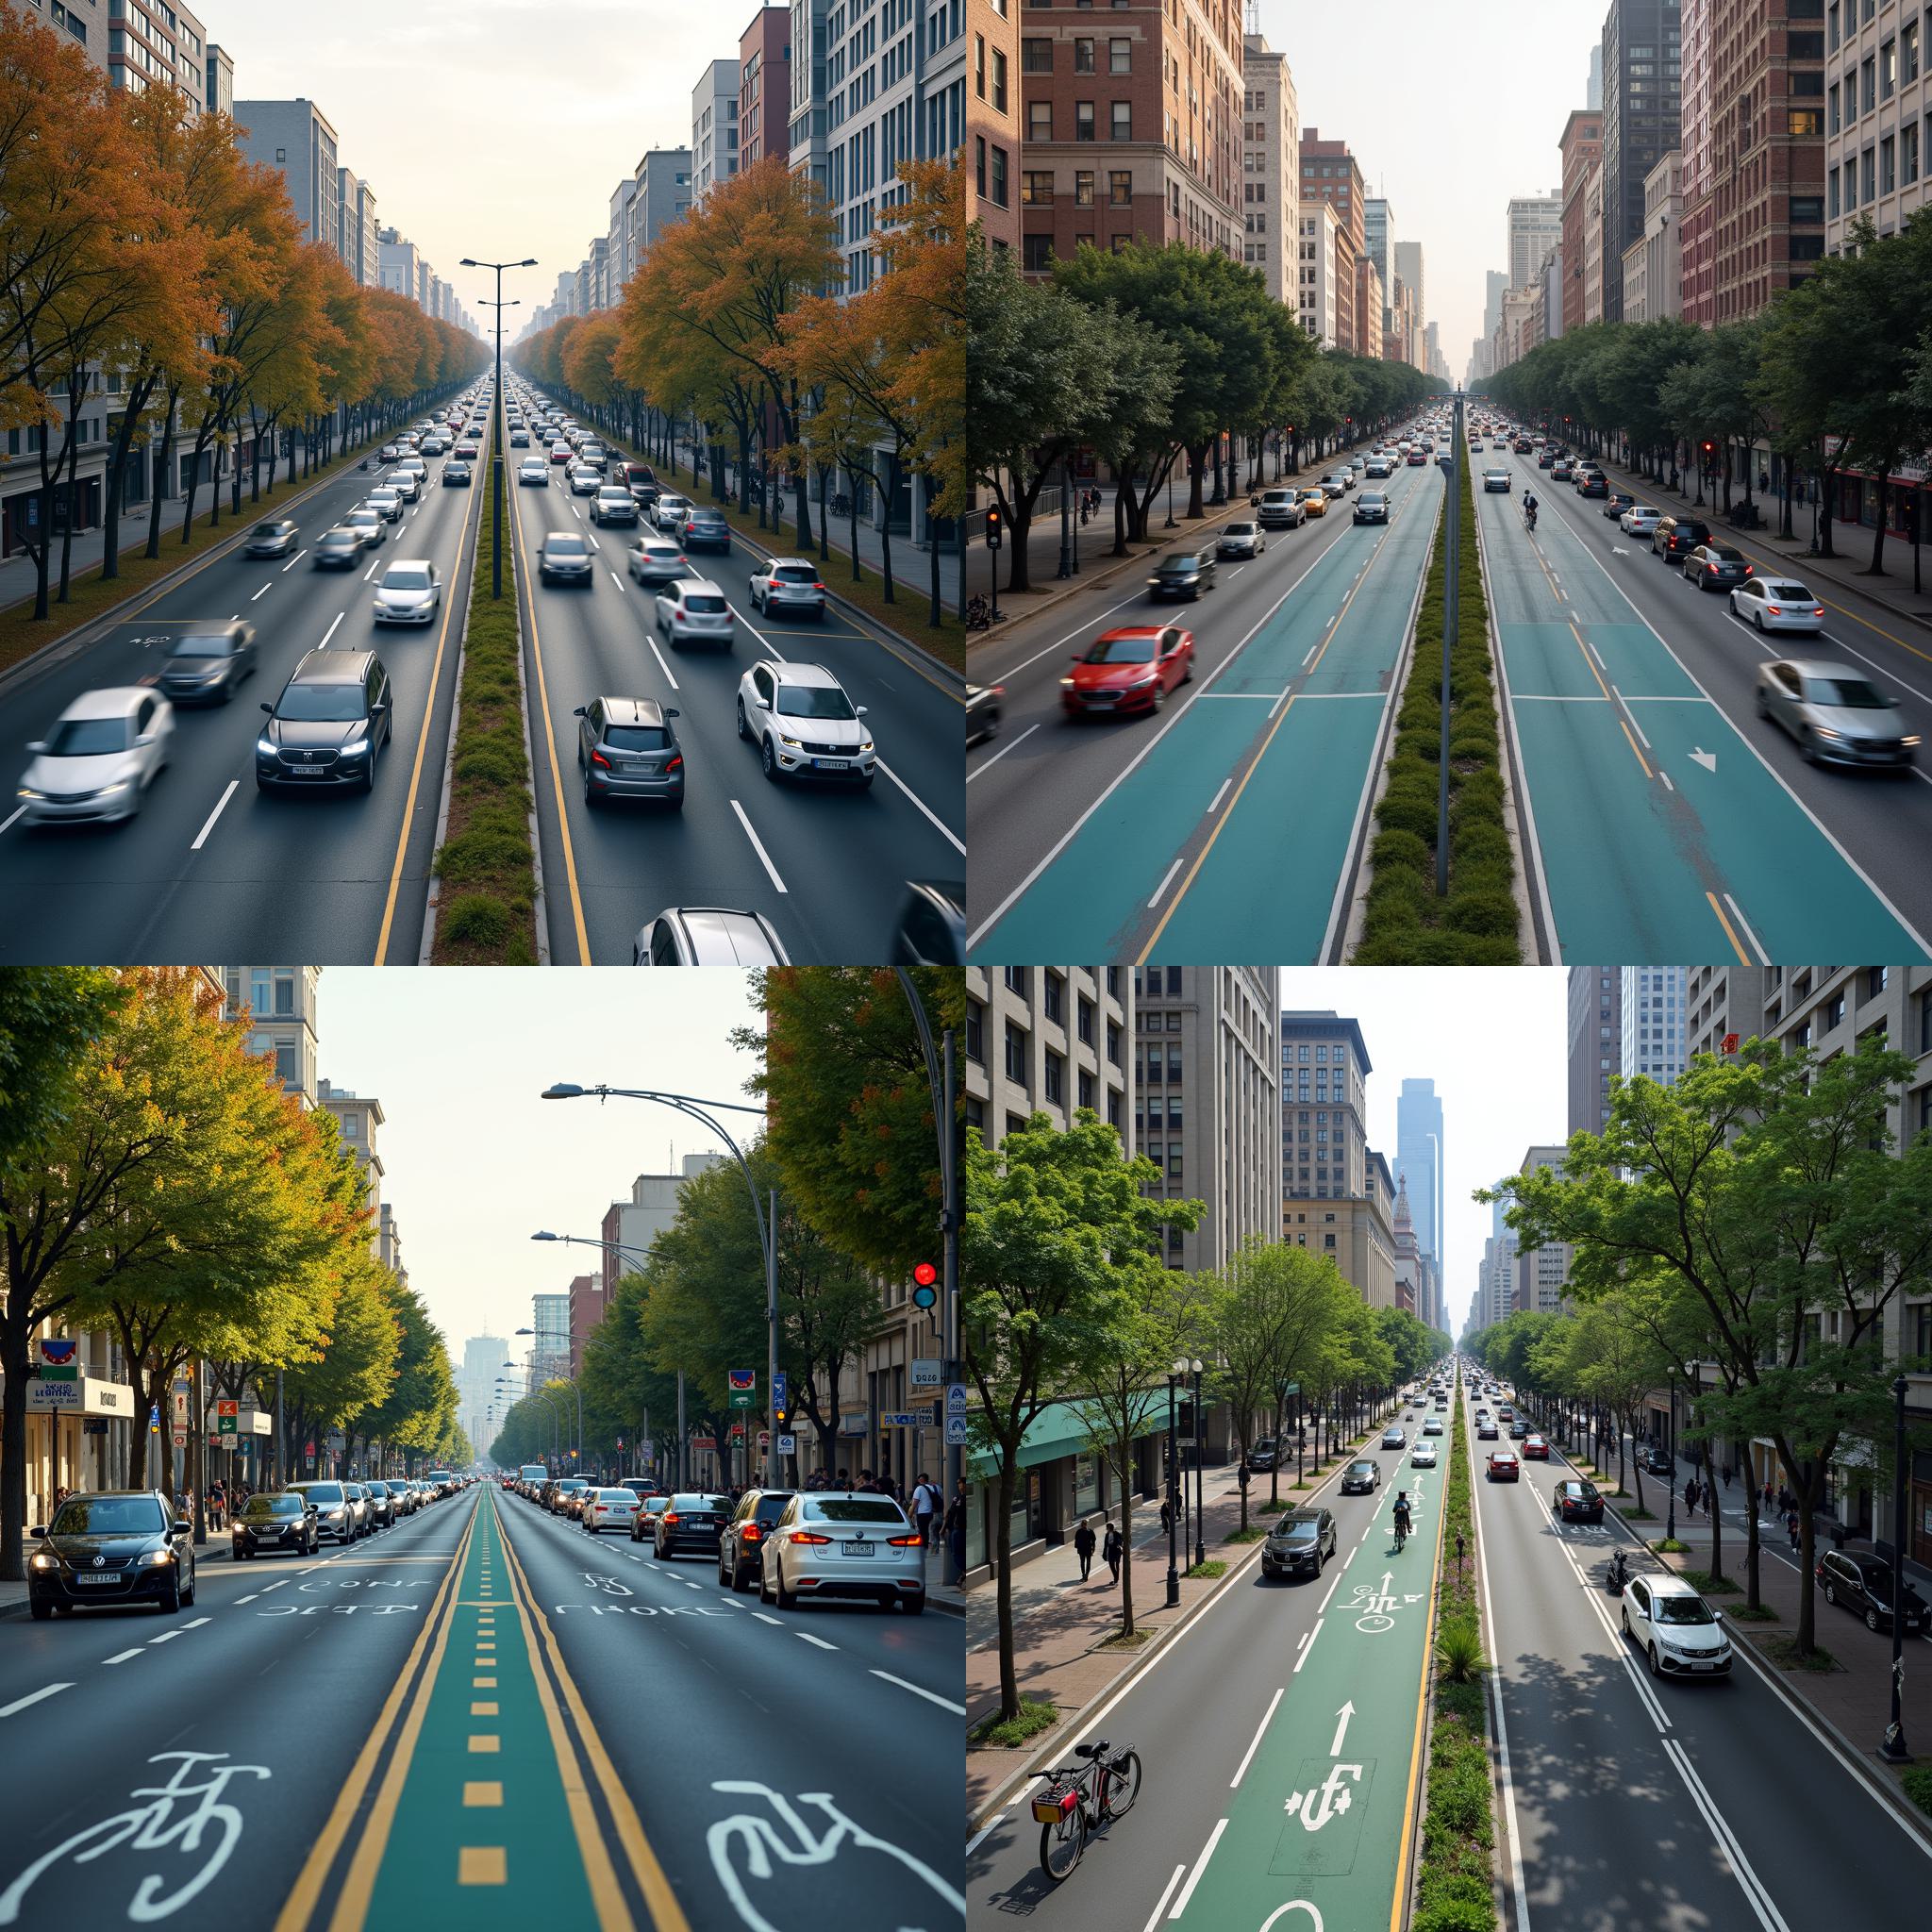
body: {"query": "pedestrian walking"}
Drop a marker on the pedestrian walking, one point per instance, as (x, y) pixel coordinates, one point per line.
(217, 1504)
(1167, 1516)
(1729, 1473)
(1791, 1527)
(1083, 1548)
(926, 1506)
(954, 1526)
(1111, 1551)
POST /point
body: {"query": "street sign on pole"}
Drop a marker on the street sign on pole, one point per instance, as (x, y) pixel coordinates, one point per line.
(744, 1386)
(787, 1445)
(227, 1418)
(956, 1412)
(925, 1372)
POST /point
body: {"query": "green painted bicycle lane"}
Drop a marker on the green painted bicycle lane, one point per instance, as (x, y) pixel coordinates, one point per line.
(1318, 1818)
(1106, 887)
(481, 1832)
(1662, 834)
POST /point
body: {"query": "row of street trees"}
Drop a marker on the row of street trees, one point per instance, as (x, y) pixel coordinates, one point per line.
(1749, 1232)
(158, 1182)
(1067, 1299)
(1833, 375)
(145, 261)
(851, 1146)
(733, 323)
(1144, 357)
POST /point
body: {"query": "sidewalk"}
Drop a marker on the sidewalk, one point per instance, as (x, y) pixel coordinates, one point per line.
(1065, 1630)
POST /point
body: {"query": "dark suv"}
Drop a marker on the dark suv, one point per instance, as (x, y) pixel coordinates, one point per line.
(706, 529)
(325, 730)
(115, 1546)
(1299, 1545)
(1182, 573)
(742, 1548)
(1675, 538)
(627, 748)
(1862, 1583)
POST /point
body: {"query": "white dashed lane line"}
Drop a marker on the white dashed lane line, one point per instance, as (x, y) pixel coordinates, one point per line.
(33, 1697)
(932, 1696)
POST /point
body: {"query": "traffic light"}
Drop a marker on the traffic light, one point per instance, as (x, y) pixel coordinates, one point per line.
(925, 1285)
(993, 536)
(1709, 447)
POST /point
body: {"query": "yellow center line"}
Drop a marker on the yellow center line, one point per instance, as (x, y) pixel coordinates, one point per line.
(395, 876)
(570, 863)
(1201, 857)
(1629, 737)
(1743, 957)
(306, 1889)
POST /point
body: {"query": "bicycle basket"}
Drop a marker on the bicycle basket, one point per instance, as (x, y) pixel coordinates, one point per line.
(1051, 1808)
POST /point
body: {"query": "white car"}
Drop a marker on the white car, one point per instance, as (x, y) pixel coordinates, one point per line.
(1423, 1456)
(669, 510)
(695, 610)
(803, 724)
(585, 482)
(843, 1543)
(608, 1509)
(1777, 604)
(410, 593)
(788, 583)
(387, 503)
(1640, 518)
(707, 936)
(654, 561)
(104, 752)
(534, 469)
(612, 505)
(1679, 1634)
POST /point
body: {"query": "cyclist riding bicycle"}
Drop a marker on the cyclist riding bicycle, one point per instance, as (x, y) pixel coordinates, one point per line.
(1404, 1519)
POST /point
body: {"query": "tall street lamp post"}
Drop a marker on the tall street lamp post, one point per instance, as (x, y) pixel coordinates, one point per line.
(496, 423)
(1670, 1480)
(636, 1257)
(1200, 1493)
(1893, 1749)
(1173, 1574)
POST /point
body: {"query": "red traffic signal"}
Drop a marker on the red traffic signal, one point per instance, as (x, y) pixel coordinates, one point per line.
(925, 1285)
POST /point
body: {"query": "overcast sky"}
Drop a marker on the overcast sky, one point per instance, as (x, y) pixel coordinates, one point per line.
(1449, 106)
(475, 1162)
(493, 128)
(1494, 1041)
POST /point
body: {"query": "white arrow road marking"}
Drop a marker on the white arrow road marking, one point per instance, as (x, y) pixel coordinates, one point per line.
(1707, 758)
(1342, 1716)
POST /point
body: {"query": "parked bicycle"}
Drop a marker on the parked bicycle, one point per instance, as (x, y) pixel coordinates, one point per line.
(1081, 1799)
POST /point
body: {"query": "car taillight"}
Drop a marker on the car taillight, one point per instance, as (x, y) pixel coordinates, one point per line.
(597, 757)
(1819, 611)
(676, 764)
(807, 1535)
(1711, 569)
(671, 1516)
(1774, 610)
(1747, 570)
(907, 1543)
(750, 1533)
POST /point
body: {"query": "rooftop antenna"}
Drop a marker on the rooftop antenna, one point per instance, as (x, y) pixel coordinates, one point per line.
(1253, 22)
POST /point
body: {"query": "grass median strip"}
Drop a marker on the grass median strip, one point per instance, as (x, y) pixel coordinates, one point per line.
(1456, 1886)
(1405, 922)
(486, 862)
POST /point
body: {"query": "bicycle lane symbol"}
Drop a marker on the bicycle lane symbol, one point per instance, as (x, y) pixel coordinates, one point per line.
(761, 1844)
(153, 1827)
(1376, 1609)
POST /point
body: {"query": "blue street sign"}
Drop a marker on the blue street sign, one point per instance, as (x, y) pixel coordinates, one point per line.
(779, 1391)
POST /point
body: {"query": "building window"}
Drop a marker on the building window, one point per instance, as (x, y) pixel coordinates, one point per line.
(1083, 120)
(1831, 193)
(1120, 57)
(1908, 51)
(1831, 108)
(997, 193)
(1908, 153)
(1016, 980)
(1122, 128)
(1038, 120)
(1036, 253)
(1036, 188)
(1055, 997)
(1869, 175)
(1083, 57)
(1831, 26)
(1086, 1089)
(1888, 70)
(975, 1032)
(1868, 85)
(999, 83)
(1120, 187)
(1056, 1080)
(1888, 164)
(1085, 1022)
(1036, 56)
(1083, 188)
(1807, 121)
(1016, 1055)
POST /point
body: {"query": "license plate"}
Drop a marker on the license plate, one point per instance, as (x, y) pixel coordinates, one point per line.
(114, 1578)
(859, 1549)
(830, 764)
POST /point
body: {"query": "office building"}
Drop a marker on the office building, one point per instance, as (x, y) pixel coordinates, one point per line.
(992, 116)
(660, 195)
(1047, 1040)
(1316, 289)
(633, 1224)
(620, 261)
(1132, 130)
(1330, 175)
(1581, 145)
(1595, 1039)
(1878, 110)
(1695, 240)
(1593, 93)
(1653, 1019)
(479, 1409)
(764, 87)
(1662, 243)
(1534, 226)
(1642, 47)
(1542, 1274)
(714, 128)
(281, 1003)
(550, 1338)
(1271, 165)
(218, 96)
(1409, 272)
(139, 43)
(299, 139)
(1419, 1161)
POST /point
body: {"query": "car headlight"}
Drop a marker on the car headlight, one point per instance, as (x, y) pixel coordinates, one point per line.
(43, 1561)
(1066, 684)
(154, 1560)
(356, 747)
(265, 747)
(1825, 731)
(27, 792)
(790, 743)
(864, 745)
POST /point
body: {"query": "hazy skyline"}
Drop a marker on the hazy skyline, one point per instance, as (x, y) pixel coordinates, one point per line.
(1494, 1040)
(1410, 102)
(474, 1162)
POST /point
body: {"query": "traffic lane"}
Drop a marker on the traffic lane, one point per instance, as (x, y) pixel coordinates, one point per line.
(1197, 1724)
(1616, 1787)
(826, 863)
(116, 893)
(1101, 888)
(875, 1799)
(271, 1692)
(1884, 818)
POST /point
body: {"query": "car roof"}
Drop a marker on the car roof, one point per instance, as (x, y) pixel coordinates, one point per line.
(785, 670)
(332, 667)
(1816, 667)
(1663, 1584)
(633, 710)
(408, 564)
(722, 936)
(110, 701)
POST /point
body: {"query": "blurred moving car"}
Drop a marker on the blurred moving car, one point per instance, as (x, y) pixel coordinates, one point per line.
(98, 762)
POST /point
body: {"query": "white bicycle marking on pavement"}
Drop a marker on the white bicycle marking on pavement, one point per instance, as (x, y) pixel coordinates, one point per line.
(762, 1842)
(151, 1827)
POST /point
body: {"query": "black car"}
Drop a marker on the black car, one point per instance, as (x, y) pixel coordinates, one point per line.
(114, 1546)
(205, 662)
(931, 927)
(741, 1547)
(1657, 1461)
(1360, 1478)
(1261, 1457)
(1615, 502)
(325, 730)
(705, 529)
(1862, 1583)
(692, 1521)
(454, 471)
(1578, 1502)
(564, 558)
(273, 1523)
(338, 549)
(382, 1505)
(275, 538)
(1299, 1545)
(1182, 573)
(1675, 538)
(1594, 484)
(1715, 566)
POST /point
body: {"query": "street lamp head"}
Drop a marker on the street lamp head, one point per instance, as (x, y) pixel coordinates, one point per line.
(529, 261)
(526, 1331)
(543, 1234)
(563, 1089)
(466, 262)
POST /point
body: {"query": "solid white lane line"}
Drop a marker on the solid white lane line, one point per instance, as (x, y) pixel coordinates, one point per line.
(1255, 1742)
(1180, 1904)
(1001, 753)
(331, 631)
(212, 816)
(121, 1657)
(920, 1690)
(944, 830)
(21, 1703)
(661, 664)
(819, 1642)
(757, 846)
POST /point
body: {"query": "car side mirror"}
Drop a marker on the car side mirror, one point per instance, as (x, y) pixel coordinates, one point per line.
(39, 1529)
(859, 710)
(578, 712)
(673, 715)
(35, 746)
(379, 707)
(268, 707)
(145, 737)
(183, 1529)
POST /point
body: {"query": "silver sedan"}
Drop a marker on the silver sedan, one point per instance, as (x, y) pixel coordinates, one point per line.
(1777, 604)
(1836, 713)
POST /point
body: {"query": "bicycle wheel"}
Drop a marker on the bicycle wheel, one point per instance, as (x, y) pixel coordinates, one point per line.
(1062, 1843)
(1123, 1783)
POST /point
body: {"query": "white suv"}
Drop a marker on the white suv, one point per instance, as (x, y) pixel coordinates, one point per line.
(1679, 1634)
(695, 610)
(803, 724)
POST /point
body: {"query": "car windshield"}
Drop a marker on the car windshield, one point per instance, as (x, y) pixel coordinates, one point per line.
(411, 577)
(259, 1507)
(619, 497)
(1140, 649)
(710, 518)
(362, 519)
(813, 701)
(214, 645)
(1361, 1469)
(337, 540)
(109, 1516)
(1847, 694)
(272, 529)
(565, 547)
(87, 737)
(1292, 1530)
(1179, 566)
(1720, 555)
(323, 704)
(712, 603)
(323, 1493)
(637, 737)
(854, 1510)
(1681, 1609)
(1240, 530)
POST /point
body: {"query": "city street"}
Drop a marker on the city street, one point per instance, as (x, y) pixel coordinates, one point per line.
(463, 1721)
(1104, 838)
(827, 864)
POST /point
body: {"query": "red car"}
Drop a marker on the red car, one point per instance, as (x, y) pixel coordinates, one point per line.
(1536, 1446)
(1131, 669)
(1417, 458)
(1504, 1467)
